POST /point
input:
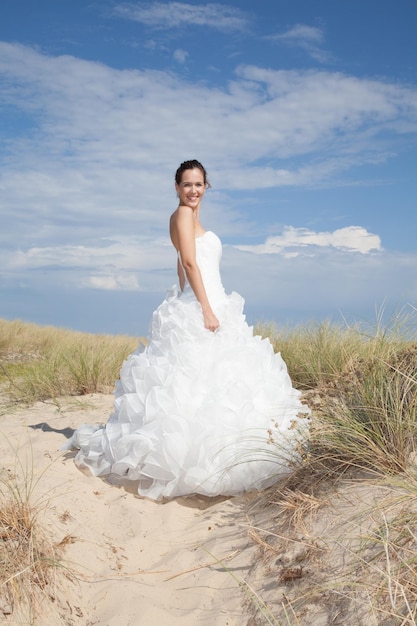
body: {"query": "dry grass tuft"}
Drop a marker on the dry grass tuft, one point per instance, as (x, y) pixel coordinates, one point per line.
(362, 389)
(24, 557)
(28, 559)
(297, 506)
(32, 569)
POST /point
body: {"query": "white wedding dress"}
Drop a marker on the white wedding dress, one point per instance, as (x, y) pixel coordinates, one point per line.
(196, 411)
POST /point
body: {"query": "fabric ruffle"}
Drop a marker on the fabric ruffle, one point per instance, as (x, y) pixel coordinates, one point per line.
(198, 412)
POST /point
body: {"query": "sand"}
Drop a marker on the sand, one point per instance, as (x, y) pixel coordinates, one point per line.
(132, 561)
(129, 561)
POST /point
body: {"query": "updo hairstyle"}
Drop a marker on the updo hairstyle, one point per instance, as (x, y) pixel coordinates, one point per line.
(191, 165)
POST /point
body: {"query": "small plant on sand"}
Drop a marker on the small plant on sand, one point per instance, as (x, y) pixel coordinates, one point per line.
(362, 389)
(369, 420)
(391, 564)
(28, 558)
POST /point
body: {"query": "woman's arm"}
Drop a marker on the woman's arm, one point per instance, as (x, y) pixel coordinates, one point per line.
(181, 275)
(186, 245)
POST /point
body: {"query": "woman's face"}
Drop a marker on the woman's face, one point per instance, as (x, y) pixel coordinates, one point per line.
(191, 188)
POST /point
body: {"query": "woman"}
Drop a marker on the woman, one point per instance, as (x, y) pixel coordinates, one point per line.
(206, 407)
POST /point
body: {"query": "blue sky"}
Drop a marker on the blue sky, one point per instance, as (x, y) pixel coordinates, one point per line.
(304, 114)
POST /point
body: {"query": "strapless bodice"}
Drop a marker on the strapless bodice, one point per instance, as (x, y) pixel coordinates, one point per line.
(208, 257)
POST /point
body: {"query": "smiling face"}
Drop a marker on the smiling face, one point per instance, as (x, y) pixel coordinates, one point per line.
(192, 187)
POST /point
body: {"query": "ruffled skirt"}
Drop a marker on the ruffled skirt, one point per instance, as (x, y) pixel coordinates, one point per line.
(198, 412)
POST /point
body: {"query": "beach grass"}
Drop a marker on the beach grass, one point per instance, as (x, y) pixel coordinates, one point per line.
(29, 560)
(42, 362)
(361, 384)
(359, 380)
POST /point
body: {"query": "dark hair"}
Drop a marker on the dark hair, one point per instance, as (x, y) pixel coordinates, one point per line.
(191, 165)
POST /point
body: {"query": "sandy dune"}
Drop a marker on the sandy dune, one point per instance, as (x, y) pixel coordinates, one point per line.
(134, 562)
(137, 562)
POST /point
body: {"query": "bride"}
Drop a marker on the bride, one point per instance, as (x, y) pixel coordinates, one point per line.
(206, 407)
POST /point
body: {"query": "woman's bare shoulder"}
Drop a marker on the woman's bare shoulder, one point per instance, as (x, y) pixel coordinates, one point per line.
(183, 214)
(182, 211)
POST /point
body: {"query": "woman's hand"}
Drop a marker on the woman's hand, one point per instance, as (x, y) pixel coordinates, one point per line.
(210, 321)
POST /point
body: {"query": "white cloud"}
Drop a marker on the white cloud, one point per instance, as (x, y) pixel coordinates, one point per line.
(309, 38)
(127, 253)
(302, 33)
(86, 185)
(112, 282)
(301, 273)
(167, 15)
(128, 263)
(103, 137)
(180, 55)
(349, 238)
(331, 282)
(101, 145)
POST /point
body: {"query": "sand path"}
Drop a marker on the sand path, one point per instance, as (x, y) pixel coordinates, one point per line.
(136, 562)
